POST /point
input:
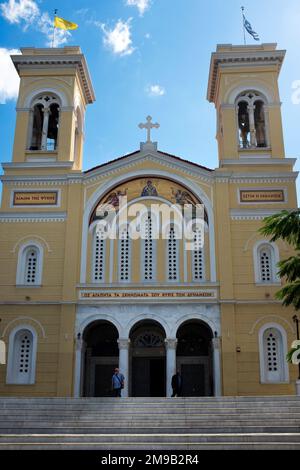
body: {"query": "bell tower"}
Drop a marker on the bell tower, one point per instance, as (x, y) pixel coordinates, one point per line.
(243, 85)
(55, 89)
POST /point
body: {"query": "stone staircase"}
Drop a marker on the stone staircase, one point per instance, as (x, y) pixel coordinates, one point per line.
(150, 423)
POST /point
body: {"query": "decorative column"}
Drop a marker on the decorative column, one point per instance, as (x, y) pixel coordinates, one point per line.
(79, 342)
(251, 109)
(124, 344)
(46, 112)
(171, 345)
(216, 344)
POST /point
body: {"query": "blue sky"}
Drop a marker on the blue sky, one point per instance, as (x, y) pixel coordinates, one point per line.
(151, 57)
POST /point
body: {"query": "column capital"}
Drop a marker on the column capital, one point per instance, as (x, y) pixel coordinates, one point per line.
(123, 343)
(171, 343)
(79, 344)
(216, 342)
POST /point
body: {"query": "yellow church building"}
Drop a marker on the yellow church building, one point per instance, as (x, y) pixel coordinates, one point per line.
(75, 302)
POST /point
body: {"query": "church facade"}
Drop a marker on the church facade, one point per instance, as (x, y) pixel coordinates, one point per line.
(75, 302)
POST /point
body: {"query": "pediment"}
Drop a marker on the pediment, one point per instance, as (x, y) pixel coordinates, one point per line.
(151, 161)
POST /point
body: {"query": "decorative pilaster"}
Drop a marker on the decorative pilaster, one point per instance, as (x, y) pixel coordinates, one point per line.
(124, 344)
(79, 345)
(216, 344)
(171, 346)
(30, 129)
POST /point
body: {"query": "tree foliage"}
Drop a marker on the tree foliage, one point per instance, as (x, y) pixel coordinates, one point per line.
(286, 226)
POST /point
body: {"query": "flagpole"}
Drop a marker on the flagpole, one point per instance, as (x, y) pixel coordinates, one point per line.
(53, 39)
(243, 8)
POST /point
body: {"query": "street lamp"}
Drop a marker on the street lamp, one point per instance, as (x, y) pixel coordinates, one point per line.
(296, 320)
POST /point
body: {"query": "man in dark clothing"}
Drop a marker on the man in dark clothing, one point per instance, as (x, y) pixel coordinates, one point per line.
(177, 384)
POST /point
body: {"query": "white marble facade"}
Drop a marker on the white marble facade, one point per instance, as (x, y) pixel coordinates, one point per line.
(169, 315)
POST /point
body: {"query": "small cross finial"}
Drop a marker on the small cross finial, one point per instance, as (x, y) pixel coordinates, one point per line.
(149, 125)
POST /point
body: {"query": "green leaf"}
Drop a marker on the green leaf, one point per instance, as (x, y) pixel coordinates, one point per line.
(284, 225)
(290, 294)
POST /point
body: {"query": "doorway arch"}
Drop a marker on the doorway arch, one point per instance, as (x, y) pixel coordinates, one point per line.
(147, 359)
(195, 358)
(100, 358)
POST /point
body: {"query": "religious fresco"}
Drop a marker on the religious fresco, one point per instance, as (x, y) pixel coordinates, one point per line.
(182, 197)
(110, 204)
(149, 190)
(114, 198)
(143, 188)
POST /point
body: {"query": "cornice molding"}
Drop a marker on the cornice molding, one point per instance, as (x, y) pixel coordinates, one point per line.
(164, 160)
(35, 164)
(255, 177)
(65, 57)
(33, 217)
(41, 180)
(256, 160)
(262, 179)
(171, 164)
(237, 56)
(254, 214)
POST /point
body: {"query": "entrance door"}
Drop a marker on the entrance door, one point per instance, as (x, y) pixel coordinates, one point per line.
(148, 377)
(194, 358)
(102, 380)
(148, 360)
(101, 357)
(193, 380)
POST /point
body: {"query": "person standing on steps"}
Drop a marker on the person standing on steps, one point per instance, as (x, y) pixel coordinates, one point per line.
(117, 382)
(176, 384)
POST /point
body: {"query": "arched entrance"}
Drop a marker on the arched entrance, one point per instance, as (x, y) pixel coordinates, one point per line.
(100, 359)
(148, 360)
(195, 358)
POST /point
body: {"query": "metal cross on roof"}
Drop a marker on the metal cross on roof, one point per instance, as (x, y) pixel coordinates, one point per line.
(149, 125)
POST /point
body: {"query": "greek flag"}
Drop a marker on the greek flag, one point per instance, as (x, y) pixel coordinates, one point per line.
(249, 29)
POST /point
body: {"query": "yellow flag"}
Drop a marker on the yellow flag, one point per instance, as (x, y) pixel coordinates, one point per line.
(64, 24)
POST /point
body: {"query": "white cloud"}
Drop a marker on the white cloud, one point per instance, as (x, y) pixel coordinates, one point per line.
(142, 5)
(27, 13)
(9, 79)
(156, 90)
(118, 39)
(24, 10)
(45, 25)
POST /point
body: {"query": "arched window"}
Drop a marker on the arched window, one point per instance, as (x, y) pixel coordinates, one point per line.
(251, 120)
(172, 255)
(44, 123)
(99, 254)
(260, 124)
(22, 356)
(272, 350)
(37, 127)
(266, 257)
(198, 255)
(244, 126)
(148, 249)
(124, 254)
(30, 265)
(53, 127)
